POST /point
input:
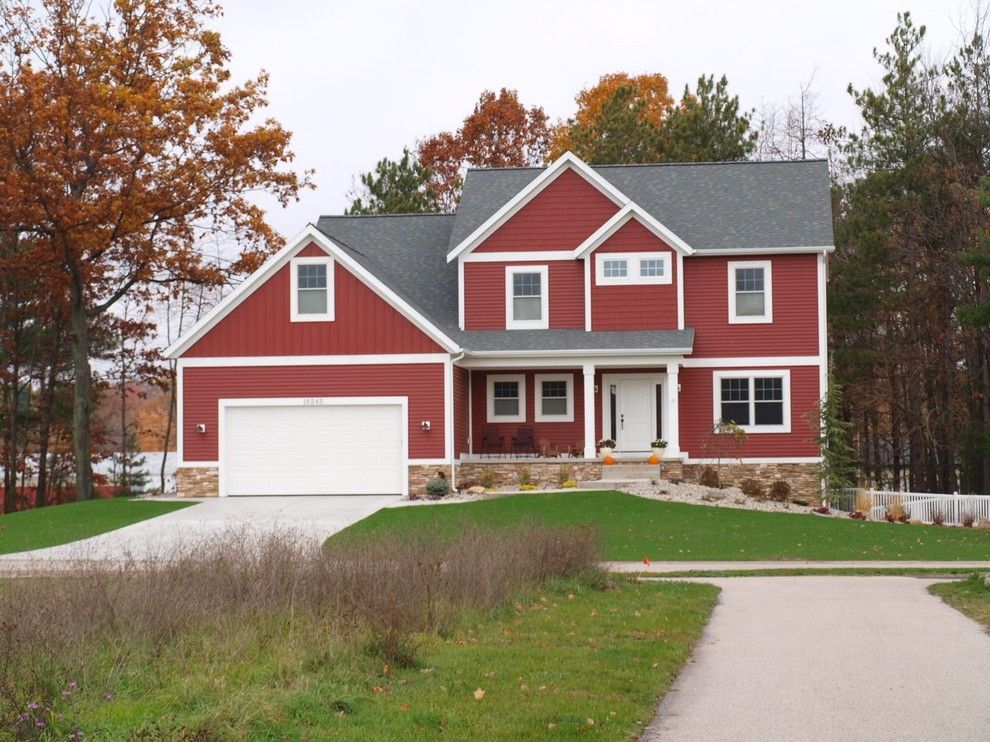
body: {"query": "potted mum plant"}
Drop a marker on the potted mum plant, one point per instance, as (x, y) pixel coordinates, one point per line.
(606, 446)
(659, 446)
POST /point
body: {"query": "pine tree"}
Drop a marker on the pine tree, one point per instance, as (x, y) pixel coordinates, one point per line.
(838, 466)
(129, 474)
(395, 188)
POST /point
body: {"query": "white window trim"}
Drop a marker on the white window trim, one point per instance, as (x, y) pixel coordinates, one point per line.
(528, 324)
(294, 314)
(783, 374)
(519, 379)
(767, 316)
(632, 259)
(567, 417)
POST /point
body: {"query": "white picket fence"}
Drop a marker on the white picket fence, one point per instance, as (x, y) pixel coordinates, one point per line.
(922, 506)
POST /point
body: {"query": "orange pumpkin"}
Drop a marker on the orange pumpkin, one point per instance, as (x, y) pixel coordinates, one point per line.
(609, 460)
(654, 459)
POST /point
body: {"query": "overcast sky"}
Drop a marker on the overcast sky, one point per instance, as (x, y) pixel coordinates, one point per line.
(357, 81)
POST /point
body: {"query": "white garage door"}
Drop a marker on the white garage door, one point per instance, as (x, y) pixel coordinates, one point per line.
(319, 449)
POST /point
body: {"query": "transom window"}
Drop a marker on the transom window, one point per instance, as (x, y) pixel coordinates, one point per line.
(312, 289)
(555, 398)
(750, 292)
(527, 301)
(757, 402)
(506, 398)
(632, 268)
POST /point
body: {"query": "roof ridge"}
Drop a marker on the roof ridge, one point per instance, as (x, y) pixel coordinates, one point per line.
(382, 216)
(661, 164)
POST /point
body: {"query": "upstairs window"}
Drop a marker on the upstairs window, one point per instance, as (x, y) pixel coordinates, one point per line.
(527, 298)
(750, 292)
(632, 268)
(554, 398)
(312, 290)
(506, 398)
(758, 402)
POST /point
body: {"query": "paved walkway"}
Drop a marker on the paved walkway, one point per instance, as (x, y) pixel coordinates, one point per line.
(830, 658)
(312, 518)
(666, 567)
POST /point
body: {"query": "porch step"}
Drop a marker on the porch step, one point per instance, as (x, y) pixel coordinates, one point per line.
(631, 471)
(604, 484)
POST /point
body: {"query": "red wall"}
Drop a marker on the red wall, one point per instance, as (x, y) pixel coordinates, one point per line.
(460, 410)
(563, 435)
(794, 330)
(697, 416)
(364, 323)
(484, 294)
(632, 307)
(421, 383)
(560, 217)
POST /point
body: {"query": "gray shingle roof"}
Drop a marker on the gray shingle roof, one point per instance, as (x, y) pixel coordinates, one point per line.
(711, 206)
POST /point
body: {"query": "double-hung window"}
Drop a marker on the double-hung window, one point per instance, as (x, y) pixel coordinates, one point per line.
(756, 401)
(311, 290)
(506, 398)
(527, 298)
(750, 292)
(632, 268)
(554, 398)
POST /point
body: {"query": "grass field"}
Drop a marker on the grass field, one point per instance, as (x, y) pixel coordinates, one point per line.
(61, 524)
(971, 596)
(633, 527)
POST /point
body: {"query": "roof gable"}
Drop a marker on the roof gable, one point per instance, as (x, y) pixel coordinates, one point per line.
(622, 217)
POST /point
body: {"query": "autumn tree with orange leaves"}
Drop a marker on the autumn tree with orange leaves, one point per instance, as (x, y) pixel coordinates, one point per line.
(499, 132)
(123, 141)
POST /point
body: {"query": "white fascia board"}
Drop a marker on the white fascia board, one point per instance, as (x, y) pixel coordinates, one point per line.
(578, 353)
(309, 234)
(339, 360)
(632, 211)
(767, 250)
(527, 194)
(564, 360)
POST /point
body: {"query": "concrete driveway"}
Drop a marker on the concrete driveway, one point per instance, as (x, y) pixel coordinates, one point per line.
(313, 518)
(831, 658)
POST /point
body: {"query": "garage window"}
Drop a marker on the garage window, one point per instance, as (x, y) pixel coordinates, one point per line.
(312, 289)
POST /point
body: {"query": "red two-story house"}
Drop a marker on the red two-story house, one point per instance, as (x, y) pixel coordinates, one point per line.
(558, 306)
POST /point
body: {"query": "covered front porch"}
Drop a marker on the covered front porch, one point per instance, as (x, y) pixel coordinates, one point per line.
(555, 407)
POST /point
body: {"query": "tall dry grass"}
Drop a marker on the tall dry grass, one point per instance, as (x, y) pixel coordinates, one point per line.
(381, 591)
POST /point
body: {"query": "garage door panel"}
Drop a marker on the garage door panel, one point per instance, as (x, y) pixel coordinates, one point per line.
(313, 450)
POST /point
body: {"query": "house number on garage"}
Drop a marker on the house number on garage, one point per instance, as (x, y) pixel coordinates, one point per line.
(312, 401)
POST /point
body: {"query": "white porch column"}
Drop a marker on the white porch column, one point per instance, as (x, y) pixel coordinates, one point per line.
(672, 431)
(589, 411)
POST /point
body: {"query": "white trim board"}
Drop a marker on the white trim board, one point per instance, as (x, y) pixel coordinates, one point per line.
(566, 161)
(274, 263)
(796, 250)
(336, 360)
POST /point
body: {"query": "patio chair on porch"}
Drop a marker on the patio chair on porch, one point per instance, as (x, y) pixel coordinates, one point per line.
(491, 441)
(524, 441)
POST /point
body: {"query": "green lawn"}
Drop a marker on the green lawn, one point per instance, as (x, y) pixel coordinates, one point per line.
(971, 596)
(60, 524)
(633, 527)
(567, 662)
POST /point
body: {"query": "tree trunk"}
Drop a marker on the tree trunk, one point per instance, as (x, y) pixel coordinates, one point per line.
(82, 400)
(10, 446)
(168, 424)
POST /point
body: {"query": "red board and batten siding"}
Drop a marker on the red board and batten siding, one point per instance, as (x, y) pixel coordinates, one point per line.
(794, 331)
(421, 383)
(364, 323)
(560, 217)
(697, 411)
(484, 294)
(630, 306)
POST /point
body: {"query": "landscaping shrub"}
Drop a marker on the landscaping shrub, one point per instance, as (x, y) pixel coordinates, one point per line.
(752, 488)
(938, 517)
(525, 477)
(864, 502)
(780, 491)
(377, 593)
(968, 519)
(895, 509)
(565, 473)
(709, 478)
(437, 487)
(488, 478)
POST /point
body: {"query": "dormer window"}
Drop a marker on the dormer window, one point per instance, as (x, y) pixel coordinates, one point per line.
(750, 292)
(632, 268)
(527, 298)
(311, 290)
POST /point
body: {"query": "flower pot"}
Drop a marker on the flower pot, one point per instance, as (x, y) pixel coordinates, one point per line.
(605, 451)
(658, 452)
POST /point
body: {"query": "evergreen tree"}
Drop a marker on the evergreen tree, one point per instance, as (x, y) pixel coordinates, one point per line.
(707, 125)
(129, 475)
(838, 466)
(619, 133)
(395, 188)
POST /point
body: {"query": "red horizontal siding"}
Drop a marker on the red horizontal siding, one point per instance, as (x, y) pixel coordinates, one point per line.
(202, 388)
(460, 410)
(697, 412)
(364, 323)
(560, 217)
(632, 307)
(794, 330)
(561, 435)
(484, 294)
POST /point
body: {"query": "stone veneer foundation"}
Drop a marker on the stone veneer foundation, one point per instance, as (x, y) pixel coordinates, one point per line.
(804, 479)
(197, 481)
(545, 473)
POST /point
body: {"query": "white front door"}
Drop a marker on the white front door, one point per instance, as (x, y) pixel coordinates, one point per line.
(636, 414)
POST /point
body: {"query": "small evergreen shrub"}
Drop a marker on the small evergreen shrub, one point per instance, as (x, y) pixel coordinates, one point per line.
(565, 473)
(780, 491)
(709, 478)
(753, 488)
(488, 478)
(525, 478)
(437, 488)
